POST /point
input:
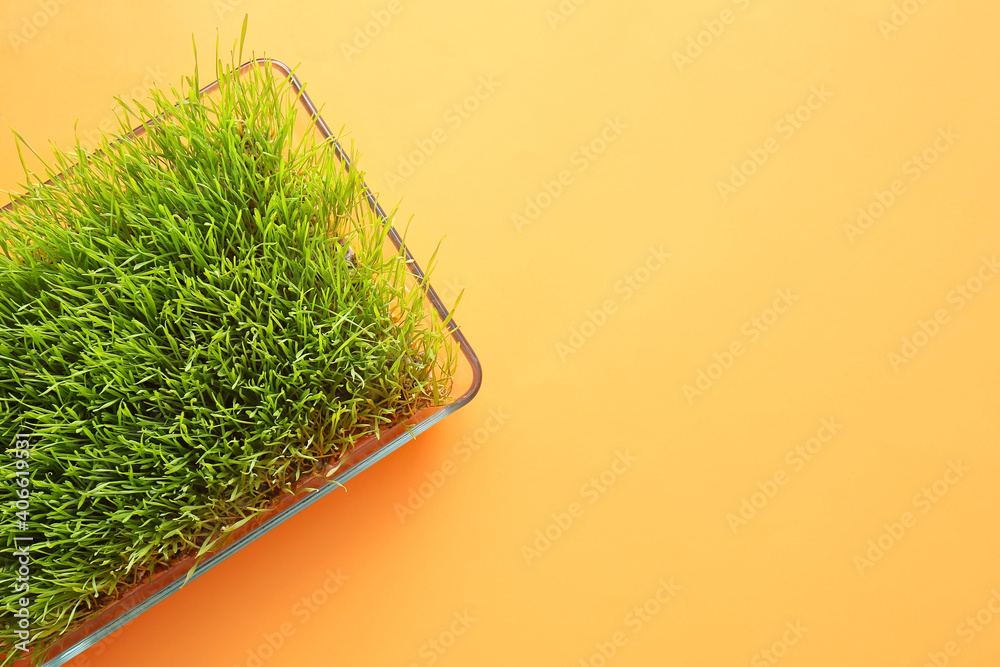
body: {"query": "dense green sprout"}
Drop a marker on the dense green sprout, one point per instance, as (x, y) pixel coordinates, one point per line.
(190, 321)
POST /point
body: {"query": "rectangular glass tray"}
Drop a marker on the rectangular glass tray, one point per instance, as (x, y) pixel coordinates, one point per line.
(467, 381)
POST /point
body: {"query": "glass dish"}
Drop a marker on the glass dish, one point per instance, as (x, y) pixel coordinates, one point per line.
(365, 453)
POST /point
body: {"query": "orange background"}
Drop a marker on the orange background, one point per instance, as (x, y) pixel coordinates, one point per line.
(805, 554)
